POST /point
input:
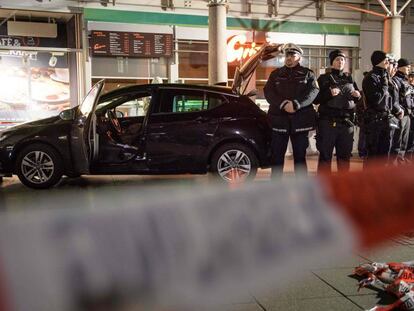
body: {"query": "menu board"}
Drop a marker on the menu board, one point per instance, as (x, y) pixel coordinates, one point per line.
(131, 44)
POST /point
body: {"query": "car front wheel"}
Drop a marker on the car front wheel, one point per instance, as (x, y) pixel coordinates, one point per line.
(234, 163)
(39, 166)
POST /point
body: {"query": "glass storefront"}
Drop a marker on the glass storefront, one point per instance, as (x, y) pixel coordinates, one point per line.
(124, 71)
(38, 74)
(30, 88)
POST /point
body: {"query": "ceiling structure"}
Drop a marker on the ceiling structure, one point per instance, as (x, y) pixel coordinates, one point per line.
(328, 10)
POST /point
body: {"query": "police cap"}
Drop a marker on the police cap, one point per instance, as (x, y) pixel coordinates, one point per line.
(334, 54)
(402, 62)
(292, 48)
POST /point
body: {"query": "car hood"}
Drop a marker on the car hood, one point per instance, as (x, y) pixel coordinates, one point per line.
(244, 73)
(41, 122)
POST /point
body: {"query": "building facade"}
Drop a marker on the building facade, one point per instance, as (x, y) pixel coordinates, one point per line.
(129, 42)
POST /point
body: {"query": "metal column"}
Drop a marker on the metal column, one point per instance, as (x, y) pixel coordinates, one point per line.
(217, 49)
(392, 35)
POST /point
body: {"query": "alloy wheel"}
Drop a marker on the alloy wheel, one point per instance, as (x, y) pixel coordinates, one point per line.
(234, 166)
(37, 167)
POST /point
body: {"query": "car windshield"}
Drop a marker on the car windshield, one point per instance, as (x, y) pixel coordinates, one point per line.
(102, 105)
(87, 104)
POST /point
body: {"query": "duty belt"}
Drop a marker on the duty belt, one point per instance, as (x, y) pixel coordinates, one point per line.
(338, 120)
(378, 116)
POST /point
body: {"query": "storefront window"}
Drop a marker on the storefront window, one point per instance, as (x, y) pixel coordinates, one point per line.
(33, 85)
(193, 61)
(124, 71)
(113, 84)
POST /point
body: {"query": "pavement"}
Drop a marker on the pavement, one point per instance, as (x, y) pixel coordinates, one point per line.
(329, 288)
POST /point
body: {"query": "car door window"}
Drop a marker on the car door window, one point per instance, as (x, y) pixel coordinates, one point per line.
(189, 103)
(181, 101)
(88, 103)
(215, 100)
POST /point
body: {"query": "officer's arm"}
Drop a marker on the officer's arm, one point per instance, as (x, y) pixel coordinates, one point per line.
(270, 91)
(375, 92)
(306, 98)
(400, 85)
(396, 107)
(355, 86)
(356, 89)
(324, 94)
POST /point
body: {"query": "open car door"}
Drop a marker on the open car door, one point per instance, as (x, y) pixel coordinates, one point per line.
(83, 133)
(243, 74)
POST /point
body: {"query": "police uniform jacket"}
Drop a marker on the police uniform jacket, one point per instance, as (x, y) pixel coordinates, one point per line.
(404, 92)
(341, 105)
(299, 85)
(379, 98)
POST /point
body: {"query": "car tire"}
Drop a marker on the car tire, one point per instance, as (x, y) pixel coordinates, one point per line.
(234, 163)
(39, 166)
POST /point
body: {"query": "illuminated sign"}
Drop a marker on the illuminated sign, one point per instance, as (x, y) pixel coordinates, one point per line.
(238, 48)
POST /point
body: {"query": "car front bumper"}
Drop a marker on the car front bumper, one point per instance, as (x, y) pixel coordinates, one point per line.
(6, 163)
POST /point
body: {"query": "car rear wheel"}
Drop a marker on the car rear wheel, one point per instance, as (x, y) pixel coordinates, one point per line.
(39, 166)
(234, 163)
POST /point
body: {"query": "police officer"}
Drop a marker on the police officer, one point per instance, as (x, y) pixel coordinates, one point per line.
(397, 116)
(400, 140)
(337, 97)
(410, 147)
(290, 91)
(377, 88)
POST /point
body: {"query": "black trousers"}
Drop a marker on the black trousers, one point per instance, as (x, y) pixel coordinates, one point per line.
(300, 143)
(410, 143)
(362, 149)
(400, 138)
(379, 135)
(338, 135)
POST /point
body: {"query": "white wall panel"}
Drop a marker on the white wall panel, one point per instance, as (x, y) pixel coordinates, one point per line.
(340, 40)
(370, 41)
(297, 38)
(188, 33)
(407, 46)
(129, 27)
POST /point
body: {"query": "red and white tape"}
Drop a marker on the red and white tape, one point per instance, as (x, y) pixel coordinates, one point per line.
(193, 247)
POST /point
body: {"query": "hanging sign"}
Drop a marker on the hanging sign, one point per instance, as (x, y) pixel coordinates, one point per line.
(131, 44)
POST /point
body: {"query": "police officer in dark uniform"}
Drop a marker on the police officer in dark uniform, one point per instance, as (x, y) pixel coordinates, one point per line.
(400, 140)
(337, 97)
(381, 107)
(410, 148)
(290, 91)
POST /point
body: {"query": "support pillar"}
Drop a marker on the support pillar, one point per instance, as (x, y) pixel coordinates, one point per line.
(392, 35)
(217, 47)
(173, 61)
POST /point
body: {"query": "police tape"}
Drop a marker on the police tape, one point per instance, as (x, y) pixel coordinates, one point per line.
(193, 247)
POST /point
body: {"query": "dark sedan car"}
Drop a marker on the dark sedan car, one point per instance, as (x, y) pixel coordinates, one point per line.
(145, 129)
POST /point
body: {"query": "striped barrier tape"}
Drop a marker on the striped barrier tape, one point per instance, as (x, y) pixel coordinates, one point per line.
(193, 247)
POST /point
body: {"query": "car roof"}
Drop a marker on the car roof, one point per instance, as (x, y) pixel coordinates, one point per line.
(142, 87)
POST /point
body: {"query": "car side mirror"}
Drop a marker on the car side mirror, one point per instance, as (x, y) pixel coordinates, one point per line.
(252, 93)
(66, 114)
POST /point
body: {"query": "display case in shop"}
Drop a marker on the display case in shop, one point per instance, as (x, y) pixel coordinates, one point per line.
(33, 85)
